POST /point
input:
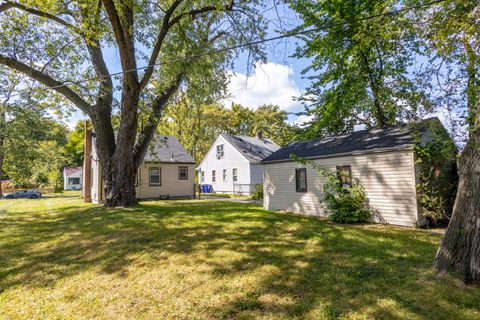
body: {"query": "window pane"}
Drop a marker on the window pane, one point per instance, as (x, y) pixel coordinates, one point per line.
(301, 179)
(154, 176)
(183, 173)
(234, 175)
(220, 151)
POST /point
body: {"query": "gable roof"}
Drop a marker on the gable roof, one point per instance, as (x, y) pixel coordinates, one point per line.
(167, 149)
(253, 149)
(71, 170)
(358, 142)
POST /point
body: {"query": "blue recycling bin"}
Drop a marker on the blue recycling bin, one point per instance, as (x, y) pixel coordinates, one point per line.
(207, 188)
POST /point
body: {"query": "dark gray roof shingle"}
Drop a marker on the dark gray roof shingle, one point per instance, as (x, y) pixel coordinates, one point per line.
(364, 141)
(167, 149)
(253, 149)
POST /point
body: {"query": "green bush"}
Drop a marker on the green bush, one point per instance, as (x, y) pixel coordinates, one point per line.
(437, 178)
(345, 204)
(258, 192)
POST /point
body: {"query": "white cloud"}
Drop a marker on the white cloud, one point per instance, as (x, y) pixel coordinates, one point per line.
(302, 120)
(271, 83)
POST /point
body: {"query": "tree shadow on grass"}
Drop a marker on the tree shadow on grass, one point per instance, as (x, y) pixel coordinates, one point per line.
(303, 267)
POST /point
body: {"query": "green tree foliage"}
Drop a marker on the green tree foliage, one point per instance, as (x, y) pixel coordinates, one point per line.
(359, 70)
(47, 165)
(437, 176)
(74, 146)
(24, 126)
(267, 118)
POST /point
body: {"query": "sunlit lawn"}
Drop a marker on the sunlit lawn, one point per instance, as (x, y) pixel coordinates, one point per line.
(61, 258)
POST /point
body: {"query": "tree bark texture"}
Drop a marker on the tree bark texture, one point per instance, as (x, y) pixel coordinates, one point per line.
(460, 248)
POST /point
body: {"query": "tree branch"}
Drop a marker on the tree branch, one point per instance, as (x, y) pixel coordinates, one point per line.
(158, 43)
(167, 24)
(13, 5)
(148, 131)
(105, 92)
(124, 40)
(47, 81)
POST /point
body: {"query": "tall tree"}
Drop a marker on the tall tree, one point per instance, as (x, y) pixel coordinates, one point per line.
(48, 163)
(22, 124)
(359, 68)
(452, 32)
(196, 124)
(55, 40)
(74, 146)
(273, 123)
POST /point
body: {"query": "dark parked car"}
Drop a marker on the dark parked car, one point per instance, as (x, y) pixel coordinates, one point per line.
(32, 194)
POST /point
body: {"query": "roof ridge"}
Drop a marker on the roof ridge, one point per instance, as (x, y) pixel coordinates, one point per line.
(397, 136)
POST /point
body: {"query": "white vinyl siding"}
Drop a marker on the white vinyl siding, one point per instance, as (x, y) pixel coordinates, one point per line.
(232, 159)
(388, 179)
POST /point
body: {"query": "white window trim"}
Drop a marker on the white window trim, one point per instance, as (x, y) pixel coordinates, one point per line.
(159, 177)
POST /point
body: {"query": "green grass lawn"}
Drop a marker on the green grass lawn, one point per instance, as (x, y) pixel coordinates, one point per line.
(61, 258)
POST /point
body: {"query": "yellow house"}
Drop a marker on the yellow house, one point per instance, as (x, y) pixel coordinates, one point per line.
(167, 172)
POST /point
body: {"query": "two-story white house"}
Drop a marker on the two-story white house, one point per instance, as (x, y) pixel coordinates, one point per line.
(232, 165)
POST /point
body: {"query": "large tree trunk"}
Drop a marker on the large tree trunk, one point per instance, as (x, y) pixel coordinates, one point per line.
(460, 248)
(1, 165)
(2, 148)
(116, 154)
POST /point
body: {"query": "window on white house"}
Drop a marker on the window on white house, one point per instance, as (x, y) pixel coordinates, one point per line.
(214, 178)
(182, 173)
(345, 175)
(224, 175)
(73, 181)
(155, 176)
(202, 176)
(220, 152)
(234, 175)
(301, 179)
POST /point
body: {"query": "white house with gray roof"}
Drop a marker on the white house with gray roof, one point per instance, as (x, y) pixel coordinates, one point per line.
(167, 172)
(232, 165)
(382, 160)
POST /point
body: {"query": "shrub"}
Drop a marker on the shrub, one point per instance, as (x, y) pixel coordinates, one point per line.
(258, 192)
(345, 204)
(437, 178)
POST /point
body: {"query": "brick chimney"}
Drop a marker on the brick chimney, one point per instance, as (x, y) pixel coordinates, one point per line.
(259, 134)
(87, 163)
